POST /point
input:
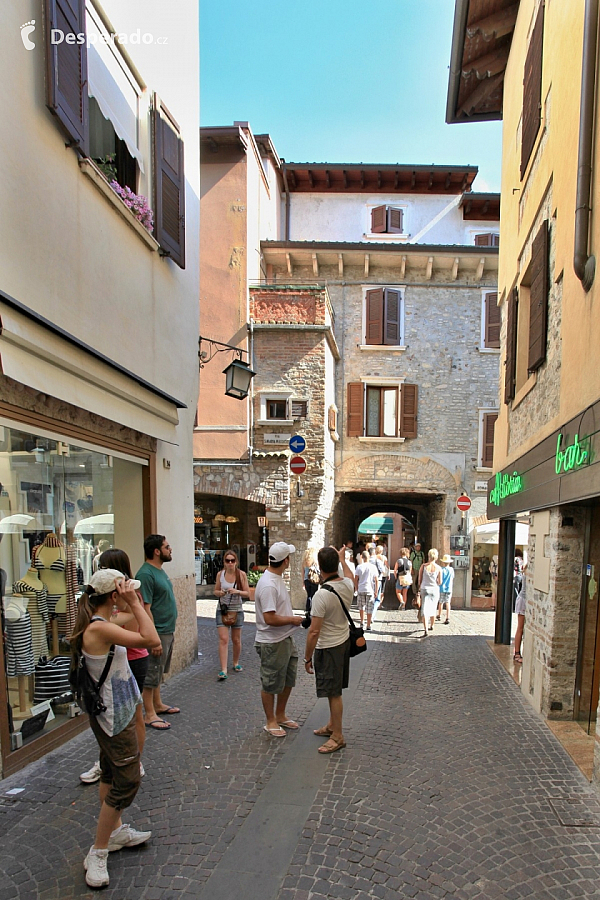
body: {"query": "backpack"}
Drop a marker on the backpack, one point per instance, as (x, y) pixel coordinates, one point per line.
(314, 574)
(85, 688)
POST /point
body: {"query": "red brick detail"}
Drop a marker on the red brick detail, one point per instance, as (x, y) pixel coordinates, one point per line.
(288, 307)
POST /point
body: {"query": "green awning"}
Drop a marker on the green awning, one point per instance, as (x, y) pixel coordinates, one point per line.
(377, 525)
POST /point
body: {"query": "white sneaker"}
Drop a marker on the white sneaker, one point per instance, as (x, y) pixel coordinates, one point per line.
(96, 870)
(92, 775)
(126, 836)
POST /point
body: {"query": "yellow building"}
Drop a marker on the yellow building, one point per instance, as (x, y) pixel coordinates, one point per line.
(529, 63)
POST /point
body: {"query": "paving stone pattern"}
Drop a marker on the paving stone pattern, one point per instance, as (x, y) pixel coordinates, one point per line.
(444, 789)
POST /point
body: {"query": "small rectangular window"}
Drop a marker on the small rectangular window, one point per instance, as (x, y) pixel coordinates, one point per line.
(492, 322)
(383, 317)
(276, 409)
(299, 409)
(387, 220)
(382, 412)
(487, 443)
(490, 239)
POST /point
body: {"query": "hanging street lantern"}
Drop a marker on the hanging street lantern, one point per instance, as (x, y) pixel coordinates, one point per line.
(238, 376)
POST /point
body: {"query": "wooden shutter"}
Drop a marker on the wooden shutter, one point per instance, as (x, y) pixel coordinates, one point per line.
(487, 456)
(532, 91)
(355, 409)
(538, 299)
(391, 332)
(510, 363)
(378, 220)
(408, 410)
(66, 67)
(495, 240)
(299, 409)
(374, 317)
(492, 321)
(169, 187)
(483, 240)
(394, 220)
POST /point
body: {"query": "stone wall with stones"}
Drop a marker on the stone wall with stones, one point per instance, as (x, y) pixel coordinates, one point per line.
(552, 620)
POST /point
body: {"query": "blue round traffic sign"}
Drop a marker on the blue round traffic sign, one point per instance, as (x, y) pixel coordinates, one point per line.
(297, 444)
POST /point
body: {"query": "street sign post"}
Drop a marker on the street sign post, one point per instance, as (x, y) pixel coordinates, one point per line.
(298, 465)
(297, 444)
(464, 503)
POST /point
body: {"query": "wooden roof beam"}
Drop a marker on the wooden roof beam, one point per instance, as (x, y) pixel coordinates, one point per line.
(311, 178)
(480, 268)
(379, 178)
(396, 179)
(362, 178)
(448, 180)
(328, 178)
(340, 264)
(345, 174)
(292, 177)
(288, 260)
(485, 207)
(455, 268)
(413, 180)
(488, 65)
(315, 264)
(496, 25)
(430, 182)
(403, 267)
(367, 259)
(481, 93)
(429, 269)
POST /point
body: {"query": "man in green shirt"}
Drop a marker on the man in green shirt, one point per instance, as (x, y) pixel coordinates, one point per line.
(417, 558)
(159, 601)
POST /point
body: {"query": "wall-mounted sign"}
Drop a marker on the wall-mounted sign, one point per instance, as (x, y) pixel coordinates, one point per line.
(461, 562)
(276, 438)
(297, 465)
(504, 486)
(573, 456)
(297, 444)
(464, 503)
(481, 486)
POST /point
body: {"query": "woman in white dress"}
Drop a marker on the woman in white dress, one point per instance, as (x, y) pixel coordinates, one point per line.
(430, 578)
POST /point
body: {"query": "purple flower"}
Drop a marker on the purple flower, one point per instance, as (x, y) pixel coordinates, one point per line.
(137, 203)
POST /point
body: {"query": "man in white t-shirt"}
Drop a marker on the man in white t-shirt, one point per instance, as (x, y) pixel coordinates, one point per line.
(366, 584)
(275, 625)
(328, 639)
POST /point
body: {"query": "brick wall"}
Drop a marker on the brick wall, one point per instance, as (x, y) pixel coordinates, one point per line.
(288, 306)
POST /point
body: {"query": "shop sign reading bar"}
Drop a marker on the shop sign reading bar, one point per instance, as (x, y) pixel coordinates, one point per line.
(572, 457)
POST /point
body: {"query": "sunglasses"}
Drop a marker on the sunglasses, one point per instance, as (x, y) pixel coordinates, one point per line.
(230, 560)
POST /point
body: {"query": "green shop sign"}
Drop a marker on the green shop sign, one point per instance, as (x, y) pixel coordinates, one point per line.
(504, 486)
(573, 456)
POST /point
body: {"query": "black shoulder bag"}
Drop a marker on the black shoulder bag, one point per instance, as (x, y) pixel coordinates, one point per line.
(358, 643)
(86, 689)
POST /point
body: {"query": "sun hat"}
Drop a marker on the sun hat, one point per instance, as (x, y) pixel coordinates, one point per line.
(105, 581)
(279, 551)
(446, 559)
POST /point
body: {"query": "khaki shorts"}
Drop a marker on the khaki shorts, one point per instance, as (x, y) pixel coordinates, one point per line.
(278, 665)
(332, 670)
(158, 665)
(119, 762)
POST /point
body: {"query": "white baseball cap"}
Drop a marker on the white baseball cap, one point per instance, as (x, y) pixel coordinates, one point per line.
(279, 551)
(105, 581)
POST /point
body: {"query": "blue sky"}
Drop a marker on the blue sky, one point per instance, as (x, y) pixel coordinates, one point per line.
(341, 81)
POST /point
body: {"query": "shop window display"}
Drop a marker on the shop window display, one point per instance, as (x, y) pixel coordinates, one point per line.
(56, 507)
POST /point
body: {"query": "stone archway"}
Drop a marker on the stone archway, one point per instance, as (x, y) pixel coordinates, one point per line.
(397, 473)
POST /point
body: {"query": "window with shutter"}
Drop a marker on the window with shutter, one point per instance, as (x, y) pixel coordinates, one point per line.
(532, 91)
(510, 362)
(379, 219)
(169, 185)
(491, 239)
(408, 410)
(538, 299)
(492, 322)
(276, 409)
(66, 67)
(487, 449)
(355, 409)
(394, 220)
(299, 409)
(392, 317)
(387, 220)
(374, 316)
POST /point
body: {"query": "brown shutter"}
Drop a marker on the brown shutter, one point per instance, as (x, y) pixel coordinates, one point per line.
(532, 91)
(169, 187)
(483, 240)
(378, 219)
(374, 315)
(510, 362)
(66, 67)
(538, 299)
(492, 321)
(489, 423)
(391, 333)
(355, 409)
(495, 240)
(394, 220)
(299, 409)
(408, 410)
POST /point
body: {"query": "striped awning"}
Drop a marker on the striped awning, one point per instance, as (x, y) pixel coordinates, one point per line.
(377, 525)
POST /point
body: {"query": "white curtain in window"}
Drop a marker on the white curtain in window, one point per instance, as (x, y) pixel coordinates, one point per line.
(112, 89)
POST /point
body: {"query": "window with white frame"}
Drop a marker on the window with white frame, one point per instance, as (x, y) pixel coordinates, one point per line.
(487, 239)
(386, 220)
(487, 425)
(491, 321)
(275, 407)
(378, 408)
(383, 317)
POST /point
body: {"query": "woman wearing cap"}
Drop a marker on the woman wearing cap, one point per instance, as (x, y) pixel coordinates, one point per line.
(94, 638)
(430, 578)
(445, 588)
(231, 588)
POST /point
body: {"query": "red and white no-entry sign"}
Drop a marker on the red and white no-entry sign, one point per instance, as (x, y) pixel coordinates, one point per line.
(298, 465)
(464, 503)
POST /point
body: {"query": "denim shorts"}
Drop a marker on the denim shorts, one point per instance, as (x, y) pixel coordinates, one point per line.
(445, 599)
(158, 665)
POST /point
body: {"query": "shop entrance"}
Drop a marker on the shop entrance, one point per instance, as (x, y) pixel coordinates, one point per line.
(587, 686)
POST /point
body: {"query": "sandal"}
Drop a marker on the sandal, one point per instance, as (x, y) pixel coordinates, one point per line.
(332, 745)
(518, 658)
(323, 732)
(222, 676)
(238, 668)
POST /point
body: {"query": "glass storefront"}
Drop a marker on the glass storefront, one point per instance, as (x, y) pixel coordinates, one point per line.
(61, 505)
(222, 523)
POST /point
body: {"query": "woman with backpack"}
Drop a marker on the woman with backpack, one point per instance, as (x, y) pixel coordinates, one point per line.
(99, 645)
(311, 575)
(403, 576)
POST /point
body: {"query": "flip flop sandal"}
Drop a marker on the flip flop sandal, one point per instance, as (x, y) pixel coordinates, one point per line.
(289, 723)
(158, 725)
(238, 668)
(274, 732)
(337, 745)
(170, 711)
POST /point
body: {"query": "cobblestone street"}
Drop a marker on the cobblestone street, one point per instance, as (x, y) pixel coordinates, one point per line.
(450, 786)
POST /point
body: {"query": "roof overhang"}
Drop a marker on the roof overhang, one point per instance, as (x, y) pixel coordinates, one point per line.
(481, 40)
(480, 207)
(373, 178)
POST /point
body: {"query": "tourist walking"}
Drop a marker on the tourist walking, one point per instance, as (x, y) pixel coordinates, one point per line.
(520, 606)
(231, 589)
(365, 583)
(328, 641)
(383, 569)
(403, 577)
(310, 575)
(159, 599)
(275, 626)
(445, 600)
(430, 578)
(417, 558)
(101, 644)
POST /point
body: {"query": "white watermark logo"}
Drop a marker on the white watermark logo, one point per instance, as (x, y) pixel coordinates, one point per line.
(26, 31)
(57, 36)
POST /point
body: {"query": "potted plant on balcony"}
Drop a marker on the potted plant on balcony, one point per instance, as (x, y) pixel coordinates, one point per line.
(253, 577)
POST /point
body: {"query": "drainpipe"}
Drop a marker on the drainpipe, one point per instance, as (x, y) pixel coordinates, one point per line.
(251, 400)
(287, 202)
(584, 265)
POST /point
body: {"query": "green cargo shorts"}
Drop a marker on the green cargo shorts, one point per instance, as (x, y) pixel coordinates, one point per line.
(278, 665)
